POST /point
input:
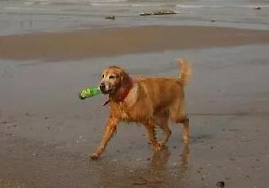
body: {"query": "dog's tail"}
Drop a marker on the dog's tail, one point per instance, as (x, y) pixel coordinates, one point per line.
(185, 71)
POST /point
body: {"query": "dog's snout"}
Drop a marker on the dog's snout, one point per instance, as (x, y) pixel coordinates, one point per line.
(102, 86)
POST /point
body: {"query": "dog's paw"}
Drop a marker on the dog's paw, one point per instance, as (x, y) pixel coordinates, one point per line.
(186, 139)
(158, 146)
(94, 156)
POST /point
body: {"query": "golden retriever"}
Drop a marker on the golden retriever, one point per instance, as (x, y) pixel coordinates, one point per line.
(149, 101)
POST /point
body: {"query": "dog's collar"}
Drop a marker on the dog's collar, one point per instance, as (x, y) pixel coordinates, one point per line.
(123, 93)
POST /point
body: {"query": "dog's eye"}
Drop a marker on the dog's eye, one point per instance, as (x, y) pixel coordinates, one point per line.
(111, 77)
(103, 76)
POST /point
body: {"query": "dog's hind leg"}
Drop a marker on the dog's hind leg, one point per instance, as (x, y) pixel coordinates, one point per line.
(186, 129)
(167, 133)
(178, 115)
(161, 119)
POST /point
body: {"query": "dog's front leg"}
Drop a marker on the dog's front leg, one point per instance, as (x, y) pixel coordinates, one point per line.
(110, 130)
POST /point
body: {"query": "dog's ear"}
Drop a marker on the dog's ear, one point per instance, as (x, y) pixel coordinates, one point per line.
(125, 78)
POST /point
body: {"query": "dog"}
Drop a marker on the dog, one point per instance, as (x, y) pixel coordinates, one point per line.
(148, 101)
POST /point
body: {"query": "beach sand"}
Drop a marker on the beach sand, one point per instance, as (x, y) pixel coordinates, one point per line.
(117, 41)
(46, 132)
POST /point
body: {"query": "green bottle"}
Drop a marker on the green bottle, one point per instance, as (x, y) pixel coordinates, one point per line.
(89, 92)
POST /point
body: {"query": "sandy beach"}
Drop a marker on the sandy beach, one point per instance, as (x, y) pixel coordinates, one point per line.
(46, 132)
(118, 41)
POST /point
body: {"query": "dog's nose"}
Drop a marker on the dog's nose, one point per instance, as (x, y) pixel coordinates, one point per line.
(102, 86)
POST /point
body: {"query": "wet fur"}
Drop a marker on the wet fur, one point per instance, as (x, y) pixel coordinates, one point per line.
(151, 102)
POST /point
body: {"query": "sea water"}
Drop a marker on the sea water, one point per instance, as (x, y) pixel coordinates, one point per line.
(23, 16)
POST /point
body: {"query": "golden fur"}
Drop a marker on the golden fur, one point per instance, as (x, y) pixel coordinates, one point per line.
(150, 101)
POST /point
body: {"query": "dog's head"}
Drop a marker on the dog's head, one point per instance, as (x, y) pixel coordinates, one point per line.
(113, 78)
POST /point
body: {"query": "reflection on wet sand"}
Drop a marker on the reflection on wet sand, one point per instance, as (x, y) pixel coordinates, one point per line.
(159, 164)
(159, 159)
(157, 172)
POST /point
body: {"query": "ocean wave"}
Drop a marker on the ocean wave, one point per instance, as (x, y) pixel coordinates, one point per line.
(99, 2)
(18, 8)
(75, 1)
(190, 6)
(106, 1)
(202, 6)
(148, 4)
(126, 5)
(253, 6)
(220, 6)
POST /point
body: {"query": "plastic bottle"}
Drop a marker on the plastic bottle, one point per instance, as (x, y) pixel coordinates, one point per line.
(89, 92)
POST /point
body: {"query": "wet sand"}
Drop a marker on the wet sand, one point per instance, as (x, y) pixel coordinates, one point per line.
(46, 132)
(117, 41)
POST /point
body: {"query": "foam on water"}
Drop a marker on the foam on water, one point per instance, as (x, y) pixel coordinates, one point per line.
(76, 1)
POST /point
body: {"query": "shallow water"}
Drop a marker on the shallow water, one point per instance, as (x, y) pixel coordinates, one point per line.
(53, 15)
